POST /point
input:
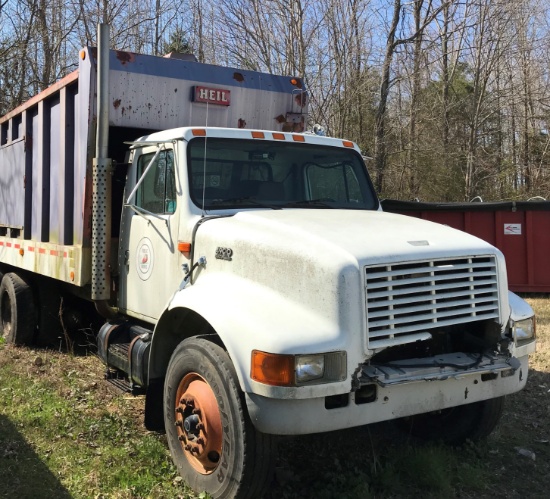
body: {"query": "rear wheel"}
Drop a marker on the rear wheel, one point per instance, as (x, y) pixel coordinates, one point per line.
(212, 440)
(17, 310)
(456, 425)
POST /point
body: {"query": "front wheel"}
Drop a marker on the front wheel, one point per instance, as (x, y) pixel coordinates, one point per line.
(212, 440)
(456, 425)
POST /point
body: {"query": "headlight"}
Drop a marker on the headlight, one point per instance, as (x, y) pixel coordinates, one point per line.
(297, 370)
(524, 330)
(309, 367)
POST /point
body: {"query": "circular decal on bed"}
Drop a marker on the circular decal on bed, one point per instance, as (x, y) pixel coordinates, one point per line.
(145, 258)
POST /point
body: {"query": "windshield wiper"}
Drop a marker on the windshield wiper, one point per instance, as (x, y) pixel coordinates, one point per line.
(243, 200)
(310, 203)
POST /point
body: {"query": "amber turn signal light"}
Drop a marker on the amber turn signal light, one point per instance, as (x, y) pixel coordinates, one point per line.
(273, 369)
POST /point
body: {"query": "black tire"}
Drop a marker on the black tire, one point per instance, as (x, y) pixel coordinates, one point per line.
(17, 310)
(456, 425)
(234, 462)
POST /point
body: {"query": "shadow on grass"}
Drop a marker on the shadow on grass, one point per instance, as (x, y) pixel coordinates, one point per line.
(22, 473)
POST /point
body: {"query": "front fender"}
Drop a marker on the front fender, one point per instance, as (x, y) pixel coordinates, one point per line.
(248, 316)
(521, 310)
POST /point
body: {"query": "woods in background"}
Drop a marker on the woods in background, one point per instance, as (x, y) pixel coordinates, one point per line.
(451, 99)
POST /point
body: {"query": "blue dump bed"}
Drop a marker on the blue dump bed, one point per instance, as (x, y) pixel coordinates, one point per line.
(47, 144)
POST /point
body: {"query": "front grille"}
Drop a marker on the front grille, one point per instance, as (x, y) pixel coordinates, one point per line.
(406, 300)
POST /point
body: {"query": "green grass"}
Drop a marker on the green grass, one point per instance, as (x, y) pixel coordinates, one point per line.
(62, 438)
(64, 432)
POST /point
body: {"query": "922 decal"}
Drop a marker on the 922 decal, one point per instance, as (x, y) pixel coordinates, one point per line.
(224, 254)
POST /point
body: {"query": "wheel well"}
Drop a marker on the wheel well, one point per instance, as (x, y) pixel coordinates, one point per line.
(173, 327)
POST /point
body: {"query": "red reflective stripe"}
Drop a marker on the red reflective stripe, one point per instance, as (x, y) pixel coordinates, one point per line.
(31, 248)
(41, 251)
(8, 245)
(17, 246)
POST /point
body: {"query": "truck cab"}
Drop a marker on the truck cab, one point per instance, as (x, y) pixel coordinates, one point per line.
(329, 312)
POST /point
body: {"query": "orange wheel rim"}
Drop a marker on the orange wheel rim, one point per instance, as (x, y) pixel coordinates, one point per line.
(198, 423)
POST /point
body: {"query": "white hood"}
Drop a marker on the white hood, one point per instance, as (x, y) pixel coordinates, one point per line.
(369, 237)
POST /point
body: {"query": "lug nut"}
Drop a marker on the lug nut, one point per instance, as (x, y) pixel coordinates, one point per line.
(200, 441)
(200, 426)
(196, 411)
(179, 423)
(182, 438)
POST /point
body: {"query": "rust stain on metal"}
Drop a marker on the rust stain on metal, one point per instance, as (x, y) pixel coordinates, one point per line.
(301, 99)
(238, 77)
(280, 118)
(125, 57)
(241, 123)
(28, 142)
(116, 103)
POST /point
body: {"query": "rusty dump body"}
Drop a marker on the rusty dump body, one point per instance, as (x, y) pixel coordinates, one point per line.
(47, 145)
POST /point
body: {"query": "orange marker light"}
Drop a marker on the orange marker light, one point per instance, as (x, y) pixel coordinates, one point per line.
(299, 138)
(83, 55)
(347, 143)
(279, 136)
(198, 132)
(72, 275)
(21, 251)
(258, 135)
(272, 369)
(184, 248)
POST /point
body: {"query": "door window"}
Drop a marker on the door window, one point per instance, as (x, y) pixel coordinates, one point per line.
(157, 192)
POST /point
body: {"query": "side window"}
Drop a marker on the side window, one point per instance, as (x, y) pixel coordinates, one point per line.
(334, 183)
(157, 192)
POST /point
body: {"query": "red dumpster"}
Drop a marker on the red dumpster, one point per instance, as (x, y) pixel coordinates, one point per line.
(521, 230)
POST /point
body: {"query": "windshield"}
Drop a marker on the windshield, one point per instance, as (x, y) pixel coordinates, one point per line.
(276, 174)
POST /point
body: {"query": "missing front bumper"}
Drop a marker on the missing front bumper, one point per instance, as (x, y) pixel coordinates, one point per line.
(441, 367)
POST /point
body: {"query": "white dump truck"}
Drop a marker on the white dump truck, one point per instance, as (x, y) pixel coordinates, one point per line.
(249, 282)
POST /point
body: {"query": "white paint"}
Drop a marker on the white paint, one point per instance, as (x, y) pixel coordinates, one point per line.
(145, 258)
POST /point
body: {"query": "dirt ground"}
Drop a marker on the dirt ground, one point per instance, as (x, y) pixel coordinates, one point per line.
(516, 456)
(520, 455)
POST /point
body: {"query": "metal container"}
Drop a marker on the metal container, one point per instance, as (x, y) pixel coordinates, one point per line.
(521, 230)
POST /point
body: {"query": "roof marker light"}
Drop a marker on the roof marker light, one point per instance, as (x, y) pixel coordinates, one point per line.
(279, 136)
(198, 132)
(258, 135)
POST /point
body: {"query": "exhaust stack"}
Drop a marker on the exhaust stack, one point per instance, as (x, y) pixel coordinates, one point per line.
(101, 180)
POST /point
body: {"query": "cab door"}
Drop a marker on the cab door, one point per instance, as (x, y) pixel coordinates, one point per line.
(149, 265)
